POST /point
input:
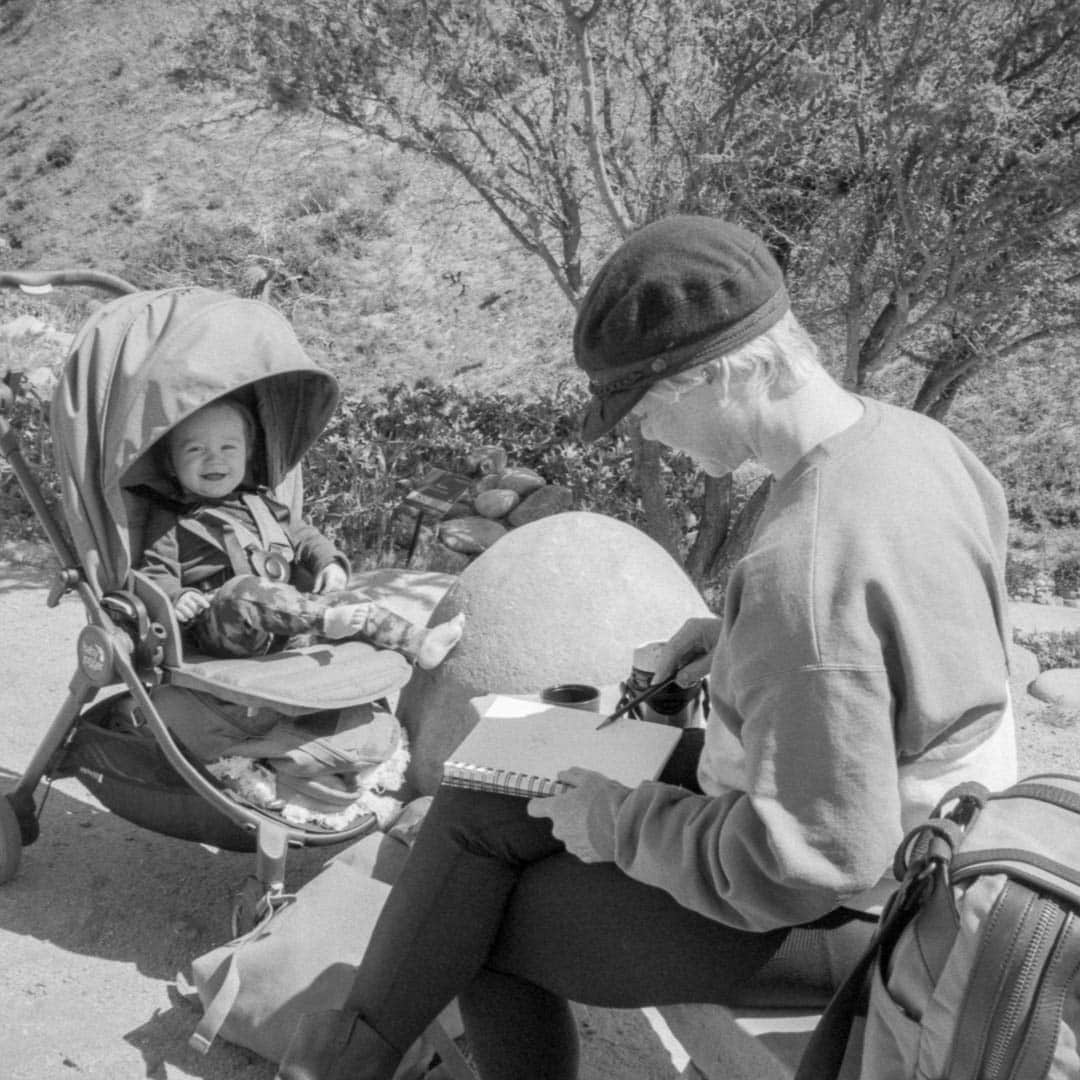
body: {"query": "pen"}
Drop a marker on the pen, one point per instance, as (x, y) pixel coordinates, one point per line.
(644, 696)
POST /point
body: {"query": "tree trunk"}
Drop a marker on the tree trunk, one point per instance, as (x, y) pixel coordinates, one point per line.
(739, 536)
(881, 341)
(658, 520)
(945, 378)
(713, 526)
(940, 389)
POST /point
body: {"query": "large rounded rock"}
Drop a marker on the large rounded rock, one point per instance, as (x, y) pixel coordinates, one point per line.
(1058, 686)
(563, 599)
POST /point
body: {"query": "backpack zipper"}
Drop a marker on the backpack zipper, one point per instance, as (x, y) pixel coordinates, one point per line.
(1013, 1018)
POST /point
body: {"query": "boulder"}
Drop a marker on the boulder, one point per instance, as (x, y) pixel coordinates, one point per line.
(1058, 686)
(523, 481)
(543, 502)
(496, 503)
(563, 599)
(470, 535)
(1023, 669)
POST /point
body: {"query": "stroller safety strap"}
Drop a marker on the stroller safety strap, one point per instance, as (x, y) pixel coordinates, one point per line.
(268, 554)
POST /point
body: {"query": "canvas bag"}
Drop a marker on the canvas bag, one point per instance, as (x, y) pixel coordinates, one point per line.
(302, 959)
(974, 973)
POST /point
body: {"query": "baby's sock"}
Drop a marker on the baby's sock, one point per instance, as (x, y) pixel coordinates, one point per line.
(439, 640)
(343, 621)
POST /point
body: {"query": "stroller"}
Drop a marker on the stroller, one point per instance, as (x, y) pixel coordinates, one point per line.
(139, 365)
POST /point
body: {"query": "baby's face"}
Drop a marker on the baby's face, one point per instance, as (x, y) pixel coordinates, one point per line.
(209, 451)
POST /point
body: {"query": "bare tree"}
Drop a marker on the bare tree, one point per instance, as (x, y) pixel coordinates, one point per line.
(912, 163)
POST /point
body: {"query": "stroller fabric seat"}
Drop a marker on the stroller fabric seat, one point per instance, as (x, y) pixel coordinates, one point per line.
(299, 681)
(146, 363)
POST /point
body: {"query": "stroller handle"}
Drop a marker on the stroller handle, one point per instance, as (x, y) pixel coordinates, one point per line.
(34, 281)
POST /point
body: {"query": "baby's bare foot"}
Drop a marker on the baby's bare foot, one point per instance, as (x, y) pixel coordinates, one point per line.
(343, 621)
(439, 640)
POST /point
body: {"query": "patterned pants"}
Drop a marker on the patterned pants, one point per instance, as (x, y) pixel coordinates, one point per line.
(248, 614)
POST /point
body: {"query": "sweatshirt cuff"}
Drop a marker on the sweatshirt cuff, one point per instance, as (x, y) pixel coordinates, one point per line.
(600, 819)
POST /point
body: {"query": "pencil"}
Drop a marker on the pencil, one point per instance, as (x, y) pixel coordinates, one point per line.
(633, 703)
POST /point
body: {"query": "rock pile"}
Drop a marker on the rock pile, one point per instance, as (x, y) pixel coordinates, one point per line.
(501, 497)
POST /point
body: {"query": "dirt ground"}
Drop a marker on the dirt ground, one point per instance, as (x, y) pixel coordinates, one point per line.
(104, 914)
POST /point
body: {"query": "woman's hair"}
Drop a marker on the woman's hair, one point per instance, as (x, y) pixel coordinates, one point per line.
(778, 361)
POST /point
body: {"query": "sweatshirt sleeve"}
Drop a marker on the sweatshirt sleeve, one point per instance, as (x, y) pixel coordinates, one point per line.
(818, 822)
(161, 558)
(313, 550)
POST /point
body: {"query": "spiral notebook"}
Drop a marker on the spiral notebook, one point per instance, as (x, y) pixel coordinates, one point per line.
(519, 746)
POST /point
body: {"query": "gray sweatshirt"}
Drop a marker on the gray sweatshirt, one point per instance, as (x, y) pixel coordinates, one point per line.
(862, 670)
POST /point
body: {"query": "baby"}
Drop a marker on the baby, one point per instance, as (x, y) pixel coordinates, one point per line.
(229, 559)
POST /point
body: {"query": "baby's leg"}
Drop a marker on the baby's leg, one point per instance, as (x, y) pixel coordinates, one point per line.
(388, 630)
(248, 612)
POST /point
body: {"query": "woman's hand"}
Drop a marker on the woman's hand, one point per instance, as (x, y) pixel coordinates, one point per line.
(331, 578)
(189, 604)
(689, 651)
(583, 817)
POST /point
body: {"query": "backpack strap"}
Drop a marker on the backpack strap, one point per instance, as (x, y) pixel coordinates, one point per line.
(226, 984)
(823, 1057)
(922, 865)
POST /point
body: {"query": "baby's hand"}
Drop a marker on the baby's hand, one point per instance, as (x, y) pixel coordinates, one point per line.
(331, 578)
(189, 604)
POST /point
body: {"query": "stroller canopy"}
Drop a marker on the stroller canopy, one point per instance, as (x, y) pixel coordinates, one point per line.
(141, 365)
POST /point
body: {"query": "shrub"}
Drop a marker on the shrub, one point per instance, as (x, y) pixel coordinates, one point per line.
(1020, 575)
(17, 519)
(1052, 648)
(377, 447)
(1067, 575)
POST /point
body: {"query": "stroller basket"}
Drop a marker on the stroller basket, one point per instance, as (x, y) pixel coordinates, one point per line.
(140, 365)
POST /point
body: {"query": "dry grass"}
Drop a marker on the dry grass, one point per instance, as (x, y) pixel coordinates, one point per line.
(395, 272)
(164, 186)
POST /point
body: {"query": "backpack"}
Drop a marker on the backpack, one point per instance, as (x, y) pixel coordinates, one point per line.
(974, 972)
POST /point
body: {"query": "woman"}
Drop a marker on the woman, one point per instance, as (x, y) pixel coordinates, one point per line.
(859, 670)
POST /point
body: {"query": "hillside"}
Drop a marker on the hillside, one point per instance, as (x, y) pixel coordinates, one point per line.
(392, 270)
(107, 161)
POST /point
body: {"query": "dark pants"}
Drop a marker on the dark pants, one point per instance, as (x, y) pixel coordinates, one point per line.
(491, 909)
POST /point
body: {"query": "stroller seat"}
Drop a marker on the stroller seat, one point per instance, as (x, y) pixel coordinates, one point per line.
(315, 678)
(140, 365)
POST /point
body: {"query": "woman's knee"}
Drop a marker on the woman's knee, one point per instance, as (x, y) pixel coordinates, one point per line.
(485, 823)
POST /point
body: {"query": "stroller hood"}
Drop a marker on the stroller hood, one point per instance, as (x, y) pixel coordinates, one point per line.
(142, 364)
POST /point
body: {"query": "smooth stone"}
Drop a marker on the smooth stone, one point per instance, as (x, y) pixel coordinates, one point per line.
(470, 535)
(1058, 686)
(543, 502)
(1023, 670)
(564, 599)
(521, 480)
(496, 503)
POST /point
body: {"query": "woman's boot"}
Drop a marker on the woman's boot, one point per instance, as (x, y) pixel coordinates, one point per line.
(337, 1046)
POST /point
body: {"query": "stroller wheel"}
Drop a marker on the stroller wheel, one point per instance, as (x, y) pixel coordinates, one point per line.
(251, 903)
(11, 842)
(26, 812)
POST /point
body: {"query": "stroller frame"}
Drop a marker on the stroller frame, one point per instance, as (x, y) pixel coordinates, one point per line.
(121, 647)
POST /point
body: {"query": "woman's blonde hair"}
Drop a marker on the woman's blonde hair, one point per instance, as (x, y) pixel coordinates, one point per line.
(778, 361)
